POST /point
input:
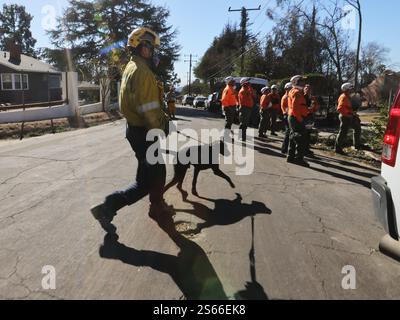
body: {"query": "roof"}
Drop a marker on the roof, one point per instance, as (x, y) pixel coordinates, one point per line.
(28, 64)
(255, 81)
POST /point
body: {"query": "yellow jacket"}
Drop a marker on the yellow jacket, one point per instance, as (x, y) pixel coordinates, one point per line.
(140, 96)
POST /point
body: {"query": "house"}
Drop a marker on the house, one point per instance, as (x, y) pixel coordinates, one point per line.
(26, 80)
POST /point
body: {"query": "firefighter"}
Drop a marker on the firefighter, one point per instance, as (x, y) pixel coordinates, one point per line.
(285, 110)
(348, 119)
(265, 105)
(273, 112)
(313, 106)
(171, 102)
(140, 103)
(246, 103)
(230, 102)
(297, 112)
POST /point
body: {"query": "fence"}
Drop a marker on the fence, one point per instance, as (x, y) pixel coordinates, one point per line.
(67, 108)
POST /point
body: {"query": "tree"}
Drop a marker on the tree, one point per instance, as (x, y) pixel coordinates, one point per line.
(357, 5)
(96, 32)
(219, 60)
(15, 24)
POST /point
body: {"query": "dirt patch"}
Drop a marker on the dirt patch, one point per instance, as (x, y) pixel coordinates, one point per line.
(38, 128)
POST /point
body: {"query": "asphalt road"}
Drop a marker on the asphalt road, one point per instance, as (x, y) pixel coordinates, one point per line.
(285, 232)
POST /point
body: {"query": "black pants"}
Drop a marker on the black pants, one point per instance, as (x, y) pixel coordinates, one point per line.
(230, 114)
(285, 145)
(347, 123)
(245, 116)
(297, 139)
(150, 179)
(272, 115)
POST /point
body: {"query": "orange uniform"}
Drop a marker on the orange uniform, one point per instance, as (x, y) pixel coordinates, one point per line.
(297, 104)
(285, 104)
(275, 100)
(246, 98)
(265, 101)
(344, 105)
(229, 97)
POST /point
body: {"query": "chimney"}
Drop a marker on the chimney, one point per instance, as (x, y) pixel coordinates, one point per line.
(15, 52)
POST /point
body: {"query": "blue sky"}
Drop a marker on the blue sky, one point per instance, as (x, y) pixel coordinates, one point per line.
(199, 21)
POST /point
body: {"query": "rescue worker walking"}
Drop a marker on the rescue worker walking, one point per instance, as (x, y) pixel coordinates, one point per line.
(246, 102)
(265, 105)
(273, 112)
(229, 102)
(285, 111)
(140, 104)
(348, 119)
(297, 112)
(313, 106)
(171, 102)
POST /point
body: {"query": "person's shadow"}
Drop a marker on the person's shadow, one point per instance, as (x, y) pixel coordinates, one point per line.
(225, 212)
(190, 269)
(253, 290)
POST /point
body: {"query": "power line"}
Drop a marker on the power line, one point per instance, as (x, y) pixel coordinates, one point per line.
(243, 25)
(190, 69)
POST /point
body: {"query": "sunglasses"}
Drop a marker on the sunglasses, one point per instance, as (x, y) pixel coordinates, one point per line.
(147, 45)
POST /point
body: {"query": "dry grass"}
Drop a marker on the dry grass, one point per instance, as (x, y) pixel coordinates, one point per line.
(38, 128)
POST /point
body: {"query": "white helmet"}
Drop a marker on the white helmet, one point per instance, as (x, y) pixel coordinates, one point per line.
(274, 87)
(264, 90)
(347, 86)
(244, 80)
(229, 79)
(288, 86)
(295, 80)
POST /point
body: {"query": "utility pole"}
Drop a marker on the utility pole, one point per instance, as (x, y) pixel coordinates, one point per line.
(243, 25)
(191, 61)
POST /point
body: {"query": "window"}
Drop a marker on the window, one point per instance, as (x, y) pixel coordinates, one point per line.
(14, 81)
(6, 81)
(54, 82)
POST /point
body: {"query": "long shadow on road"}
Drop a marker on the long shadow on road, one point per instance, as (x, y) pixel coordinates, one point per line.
(191, 269)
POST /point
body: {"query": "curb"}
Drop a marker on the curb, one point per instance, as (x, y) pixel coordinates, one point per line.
(390, 247)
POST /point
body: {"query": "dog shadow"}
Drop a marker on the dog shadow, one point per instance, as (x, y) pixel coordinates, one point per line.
(225, 212)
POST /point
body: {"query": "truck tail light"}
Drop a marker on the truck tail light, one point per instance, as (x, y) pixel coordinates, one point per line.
(392, 135)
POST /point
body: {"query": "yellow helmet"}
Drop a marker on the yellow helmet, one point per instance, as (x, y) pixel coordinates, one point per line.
(143, 34)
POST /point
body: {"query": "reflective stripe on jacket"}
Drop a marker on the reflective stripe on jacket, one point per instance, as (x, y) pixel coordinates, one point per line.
(229, 97)
(297, 104)
(140, 96)
(344, 105)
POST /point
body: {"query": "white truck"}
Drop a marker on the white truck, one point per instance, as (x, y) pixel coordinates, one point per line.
(386, 187)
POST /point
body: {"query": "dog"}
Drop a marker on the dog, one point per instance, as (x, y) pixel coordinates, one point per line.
(181, 169)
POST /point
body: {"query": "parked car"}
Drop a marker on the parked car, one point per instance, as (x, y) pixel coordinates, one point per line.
(213, 103)
(187, 100)
(199, 102)
(386, 187)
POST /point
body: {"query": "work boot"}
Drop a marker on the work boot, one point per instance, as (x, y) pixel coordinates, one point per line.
(340, 151)
(160, 210)
(291, 160)
(105, 216)
(302, 162)
(262, 135)
(274, 134)
(309, 154)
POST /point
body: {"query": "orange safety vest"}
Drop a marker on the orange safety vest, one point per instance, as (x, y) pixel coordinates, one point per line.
(229, 97)
(265, 101)
(246, 97)
(285, 104)
(297, 104)
(344, 105)
(275, 100)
